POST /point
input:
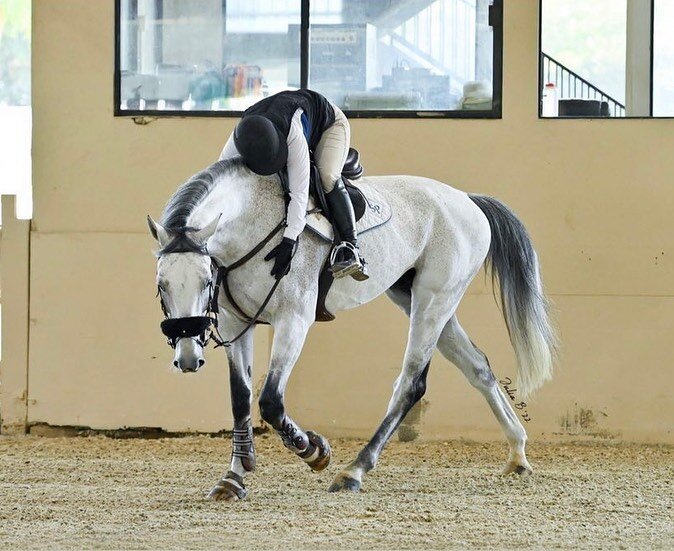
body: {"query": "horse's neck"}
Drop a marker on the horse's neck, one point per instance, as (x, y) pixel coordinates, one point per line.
(249, 207)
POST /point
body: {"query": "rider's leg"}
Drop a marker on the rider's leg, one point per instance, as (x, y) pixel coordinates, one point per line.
(332, 149)
(345, 259)
(330, 156)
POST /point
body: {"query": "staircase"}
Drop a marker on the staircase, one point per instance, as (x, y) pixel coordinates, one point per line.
(439, 35)
(571, 85)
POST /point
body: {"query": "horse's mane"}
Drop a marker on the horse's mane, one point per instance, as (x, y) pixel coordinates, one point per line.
(186, 199)
(191, 194)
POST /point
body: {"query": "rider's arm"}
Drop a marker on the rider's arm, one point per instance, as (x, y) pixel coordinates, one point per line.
(298, 178)
(229, 151)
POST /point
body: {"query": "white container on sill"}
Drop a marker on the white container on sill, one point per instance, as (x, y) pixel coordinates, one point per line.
(550, 102)
(477, 95)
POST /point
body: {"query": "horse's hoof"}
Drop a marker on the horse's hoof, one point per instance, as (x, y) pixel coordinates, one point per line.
(344, 483)
(320, 457)
(521, 468)
(218, 493)
(228, 489)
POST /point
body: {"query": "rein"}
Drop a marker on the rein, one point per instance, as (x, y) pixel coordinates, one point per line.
(205, 328)
(221, 280)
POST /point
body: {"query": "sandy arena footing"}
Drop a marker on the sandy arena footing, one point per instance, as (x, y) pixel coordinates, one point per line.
(100, 492)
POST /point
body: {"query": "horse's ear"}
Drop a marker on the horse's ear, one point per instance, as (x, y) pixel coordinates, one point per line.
(205, 233)
(158, 232)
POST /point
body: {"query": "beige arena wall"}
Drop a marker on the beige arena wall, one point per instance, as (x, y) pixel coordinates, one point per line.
(596, 195)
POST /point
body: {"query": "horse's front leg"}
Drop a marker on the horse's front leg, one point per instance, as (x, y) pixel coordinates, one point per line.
(240, 357)
(289, 336)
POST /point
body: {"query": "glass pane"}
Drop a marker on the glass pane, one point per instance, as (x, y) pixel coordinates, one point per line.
(583, 56)
(15, 105)
(402, 55)
(206, 54)
(663, 59)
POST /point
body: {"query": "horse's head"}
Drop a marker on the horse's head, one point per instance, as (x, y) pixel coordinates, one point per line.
(185, 287)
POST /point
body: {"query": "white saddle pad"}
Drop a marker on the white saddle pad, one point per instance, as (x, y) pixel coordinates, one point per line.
(377, 213)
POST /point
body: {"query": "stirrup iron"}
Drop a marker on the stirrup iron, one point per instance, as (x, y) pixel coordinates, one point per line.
(345, 268)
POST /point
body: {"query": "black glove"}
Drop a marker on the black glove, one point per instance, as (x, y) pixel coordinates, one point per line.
(283, 254)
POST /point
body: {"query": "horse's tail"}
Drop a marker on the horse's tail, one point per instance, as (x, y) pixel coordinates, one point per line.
(513, 260)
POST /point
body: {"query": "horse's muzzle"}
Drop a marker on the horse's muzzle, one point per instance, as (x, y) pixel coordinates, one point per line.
(189, 356)
(191, 367)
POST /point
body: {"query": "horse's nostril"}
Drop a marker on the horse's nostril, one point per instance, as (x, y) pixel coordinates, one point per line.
(175, 363)
(201, 362)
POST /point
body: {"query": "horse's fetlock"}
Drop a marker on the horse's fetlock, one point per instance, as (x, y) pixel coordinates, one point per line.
(292, 436)
(366, 461)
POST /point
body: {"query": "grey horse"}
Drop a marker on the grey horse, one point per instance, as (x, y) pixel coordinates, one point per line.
(423, 259)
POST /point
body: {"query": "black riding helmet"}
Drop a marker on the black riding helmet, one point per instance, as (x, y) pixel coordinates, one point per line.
(261, 144)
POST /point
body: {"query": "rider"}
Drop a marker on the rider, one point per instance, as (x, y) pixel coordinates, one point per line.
(284, 130)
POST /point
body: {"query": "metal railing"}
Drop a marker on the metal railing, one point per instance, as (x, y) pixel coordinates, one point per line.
(570, 85)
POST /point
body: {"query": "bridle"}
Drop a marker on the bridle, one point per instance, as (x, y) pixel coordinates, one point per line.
(205, 328)
(197, 327)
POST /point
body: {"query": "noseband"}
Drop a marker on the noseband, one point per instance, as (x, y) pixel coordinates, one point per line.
(198, 327)
(205, 328)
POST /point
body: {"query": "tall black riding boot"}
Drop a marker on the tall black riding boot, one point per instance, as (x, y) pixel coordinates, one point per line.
(345, 258)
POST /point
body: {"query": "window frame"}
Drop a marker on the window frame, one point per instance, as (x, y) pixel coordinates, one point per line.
(495, 21)
(631, 117)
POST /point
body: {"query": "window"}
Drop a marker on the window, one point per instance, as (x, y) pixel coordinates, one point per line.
(606, 58)
(375, 58)
(15, 105)
(204, 55)
(663, 59)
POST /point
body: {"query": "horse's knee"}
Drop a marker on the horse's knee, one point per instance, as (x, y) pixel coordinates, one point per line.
(411, 389)
(419, 384)
(271, 409)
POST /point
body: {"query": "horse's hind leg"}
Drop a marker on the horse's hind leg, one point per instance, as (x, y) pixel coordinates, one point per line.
(455, 345)
(429, 314)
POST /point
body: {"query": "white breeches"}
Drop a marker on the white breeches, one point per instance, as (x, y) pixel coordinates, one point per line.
(332, 150)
